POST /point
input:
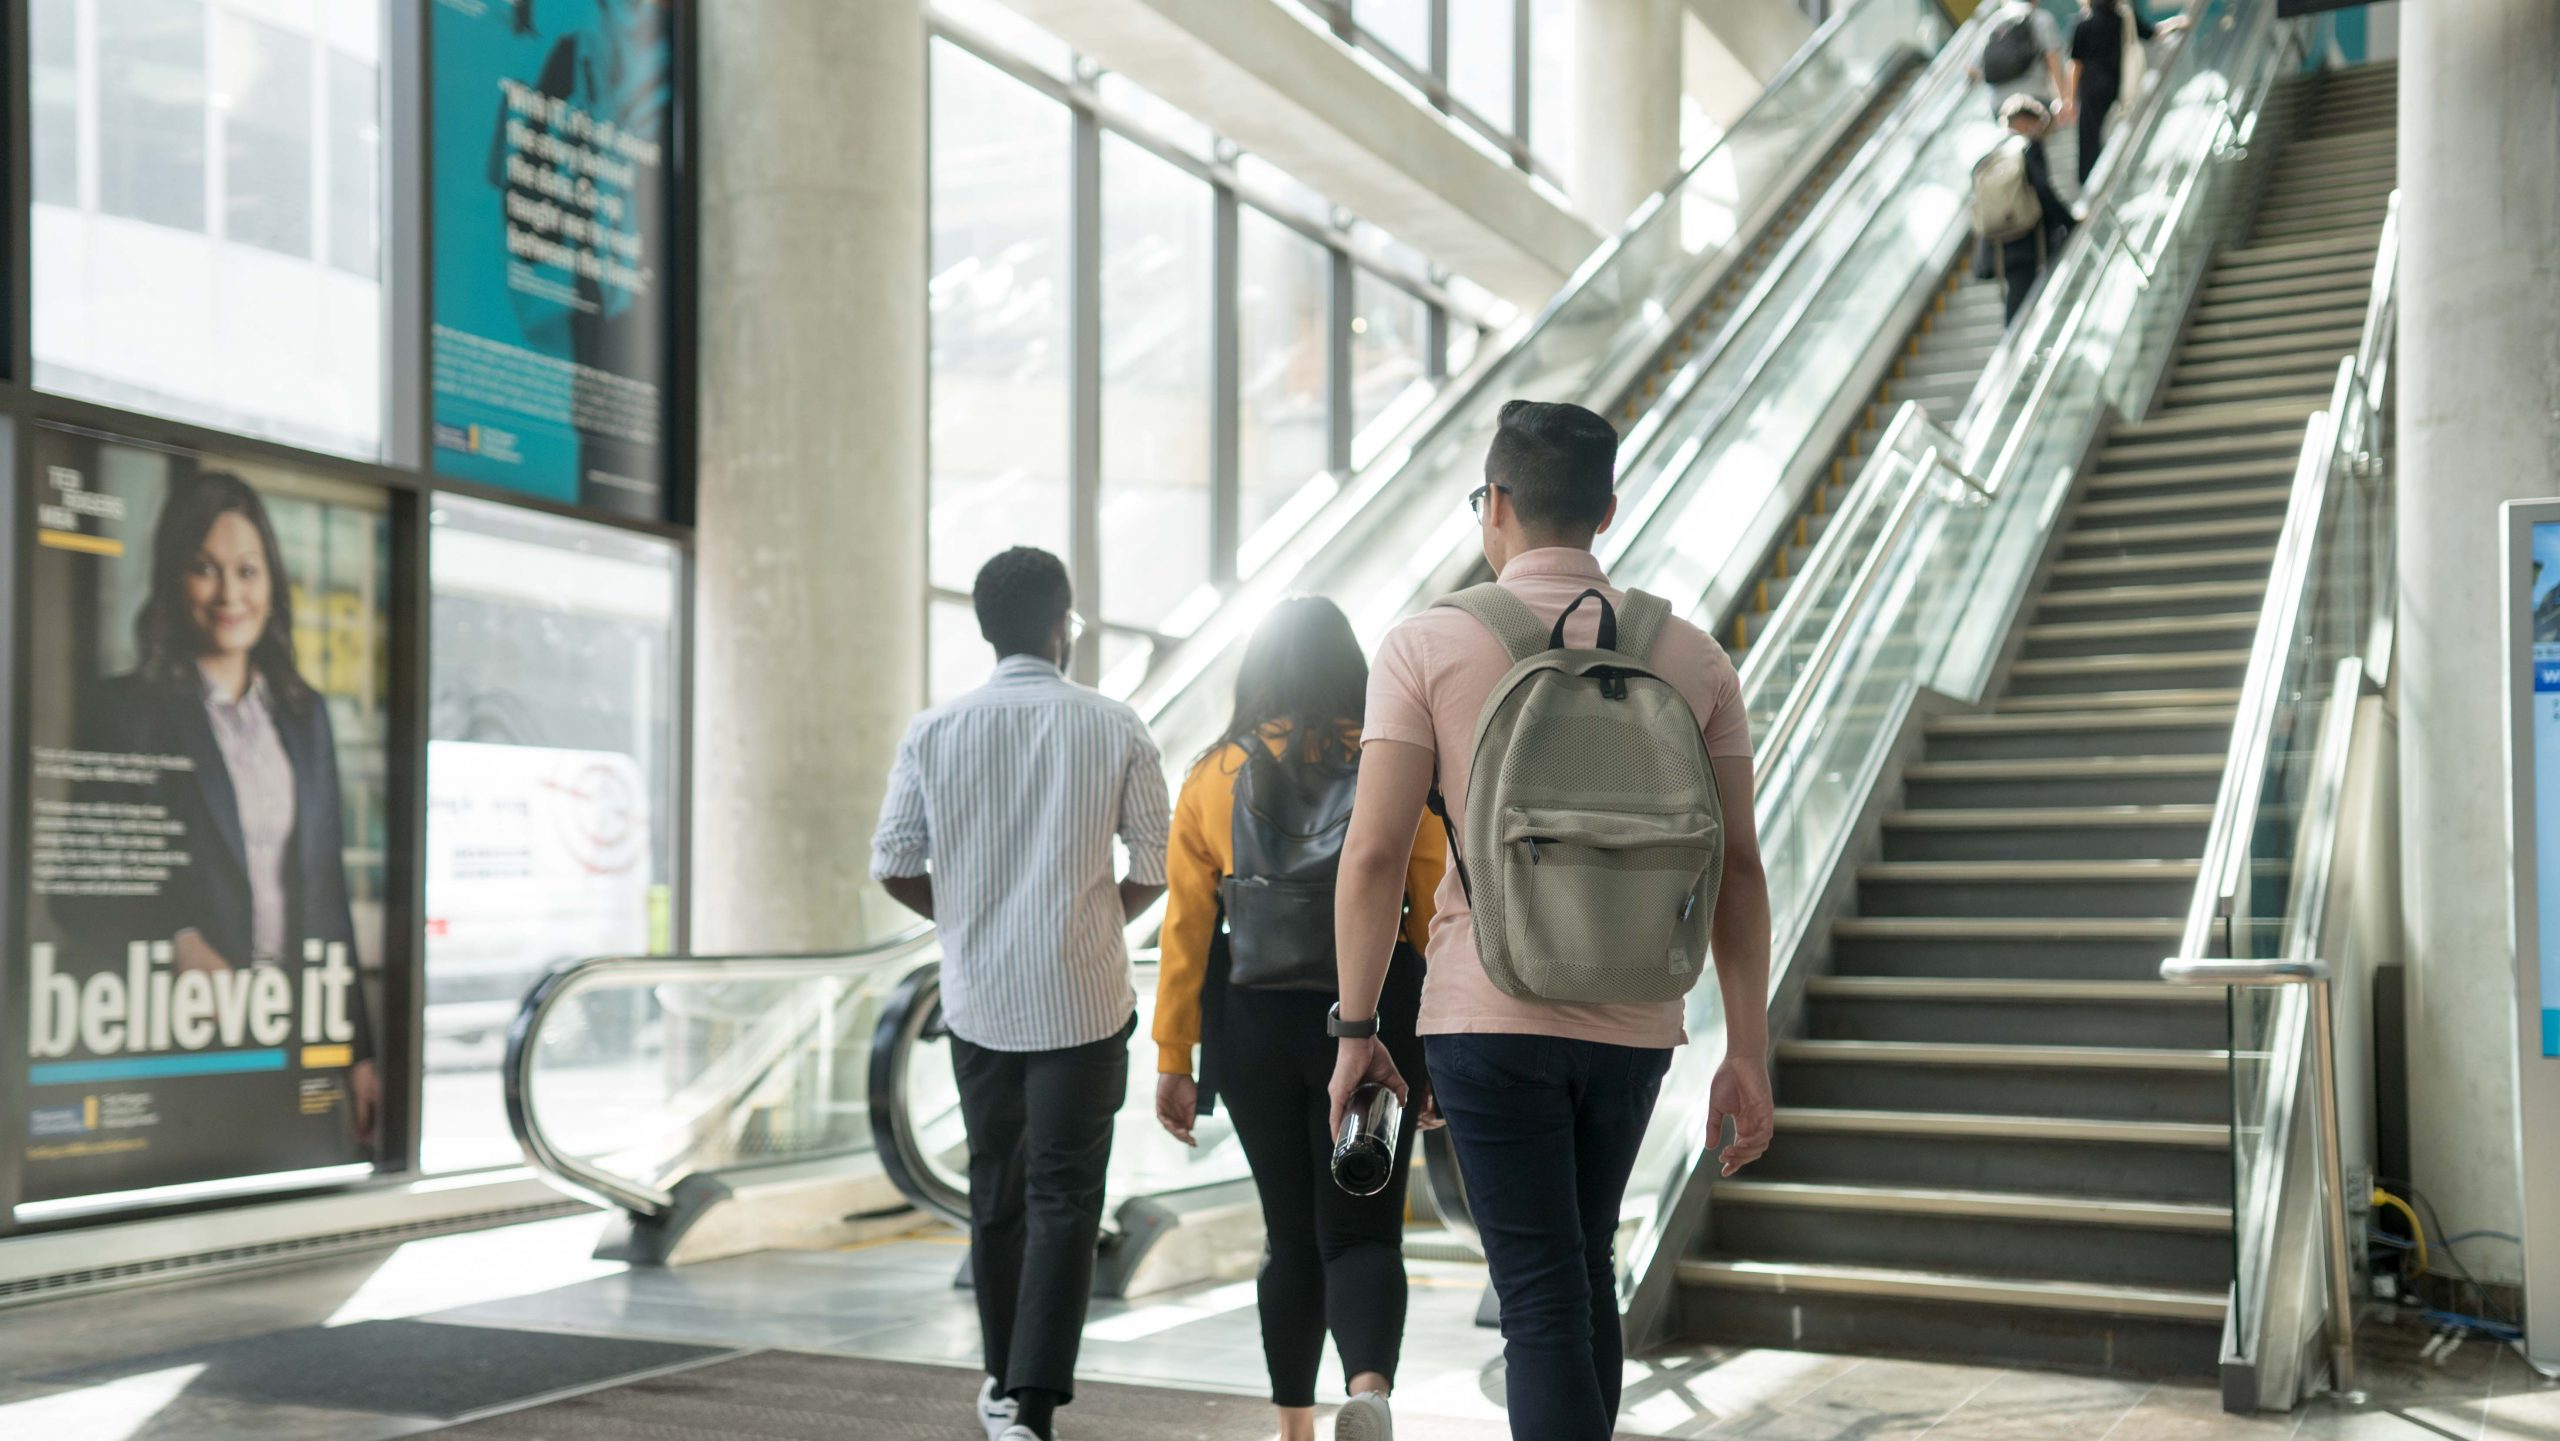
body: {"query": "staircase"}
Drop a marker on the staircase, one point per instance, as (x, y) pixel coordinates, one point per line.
(2000, 1137)
(1940, 364)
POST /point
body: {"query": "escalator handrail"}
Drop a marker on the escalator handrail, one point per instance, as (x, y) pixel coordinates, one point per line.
(1947, 71)
(569, 1172)
(1161, 689)
(912, 1012)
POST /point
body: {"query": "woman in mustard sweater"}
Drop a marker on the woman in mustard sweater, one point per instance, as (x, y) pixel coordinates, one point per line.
(1247, 977)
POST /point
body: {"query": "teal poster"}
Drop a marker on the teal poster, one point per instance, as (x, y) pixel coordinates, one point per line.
(553, 221)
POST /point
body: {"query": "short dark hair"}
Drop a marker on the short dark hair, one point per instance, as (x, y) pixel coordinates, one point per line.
(1020, 597)
(1558, 462)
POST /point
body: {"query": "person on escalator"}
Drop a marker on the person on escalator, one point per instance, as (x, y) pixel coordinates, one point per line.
(2109, 64)
(1247, 976)
(2019, 220)
(998, 827)
(2020, 54)
(1606, 821)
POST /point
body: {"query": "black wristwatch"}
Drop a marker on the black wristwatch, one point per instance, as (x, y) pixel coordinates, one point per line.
(1342, 1030)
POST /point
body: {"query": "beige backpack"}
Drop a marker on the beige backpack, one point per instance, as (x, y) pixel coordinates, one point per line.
(1594, 842)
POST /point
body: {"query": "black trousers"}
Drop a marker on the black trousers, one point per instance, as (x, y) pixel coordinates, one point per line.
(2094, 106)
(1331, 1261)
(1039, 1127)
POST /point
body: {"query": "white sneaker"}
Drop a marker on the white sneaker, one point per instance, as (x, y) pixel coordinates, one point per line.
(996, 1413)
(1364, 1418)
(1019, 1433)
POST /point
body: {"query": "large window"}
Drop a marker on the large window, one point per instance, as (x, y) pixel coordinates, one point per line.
(1150, 352)
(1284, 342)
(551, 795)
(1156, 334)
(1390, 352)
(208, 213)
(1001, 353)
(1405, 25)
(1483, 38)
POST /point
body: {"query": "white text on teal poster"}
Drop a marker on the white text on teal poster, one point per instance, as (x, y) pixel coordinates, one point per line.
(552, 228)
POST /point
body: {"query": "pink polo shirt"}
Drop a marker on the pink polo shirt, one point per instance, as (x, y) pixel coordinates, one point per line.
(1429, 683)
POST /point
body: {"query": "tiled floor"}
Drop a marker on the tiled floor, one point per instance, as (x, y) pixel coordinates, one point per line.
(896, 1301)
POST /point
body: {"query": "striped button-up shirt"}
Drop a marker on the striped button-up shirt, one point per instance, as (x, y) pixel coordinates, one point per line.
(1011, 795)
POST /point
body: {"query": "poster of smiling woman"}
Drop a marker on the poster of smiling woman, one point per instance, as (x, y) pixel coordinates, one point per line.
(206, 866)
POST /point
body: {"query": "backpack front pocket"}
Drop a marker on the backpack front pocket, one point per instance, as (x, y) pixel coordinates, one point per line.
(1608, 906)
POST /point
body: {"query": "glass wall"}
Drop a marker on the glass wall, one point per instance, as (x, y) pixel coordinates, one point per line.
(1284, 342)
(1156, 366)
(1152, 355)
(1001, 250)
(208, 212)
(551, 806)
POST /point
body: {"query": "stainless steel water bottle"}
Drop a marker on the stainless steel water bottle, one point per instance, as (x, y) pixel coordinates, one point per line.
(1364, 1151)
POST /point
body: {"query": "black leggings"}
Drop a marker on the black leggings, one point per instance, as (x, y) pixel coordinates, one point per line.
(1330, 1260)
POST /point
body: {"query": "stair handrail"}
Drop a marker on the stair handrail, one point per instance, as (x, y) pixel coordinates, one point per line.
(2336, 516)
(2354, 395)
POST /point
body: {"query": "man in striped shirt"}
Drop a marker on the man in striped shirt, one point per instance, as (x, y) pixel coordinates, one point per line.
(998, 827)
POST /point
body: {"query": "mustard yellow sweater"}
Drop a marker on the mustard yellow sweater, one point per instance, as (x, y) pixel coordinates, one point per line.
(1203, 855)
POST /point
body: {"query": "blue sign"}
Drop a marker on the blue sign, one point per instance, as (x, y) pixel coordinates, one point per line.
(553, 222)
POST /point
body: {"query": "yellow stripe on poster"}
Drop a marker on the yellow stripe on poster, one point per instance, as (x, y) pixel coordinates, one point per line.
(328, 1058)
(85, 544)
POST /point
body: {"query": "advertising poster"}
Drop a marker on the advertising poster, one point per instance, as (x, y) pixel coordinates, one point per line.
(208, 781)
(535, 856)
(553, 221)
(2545, 602)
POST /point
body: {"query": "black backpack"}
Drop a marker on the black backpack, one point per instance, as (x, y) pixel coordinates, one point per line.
(1290, 819)
(2011, 50)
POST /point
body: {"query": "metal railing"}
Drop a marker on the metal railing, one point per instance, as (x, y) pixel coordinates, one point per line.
(676, 1065)
(2264, 894)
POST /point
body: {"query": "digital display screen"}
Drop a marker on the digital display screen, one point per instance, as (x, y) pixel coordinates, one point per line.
(2543, 601)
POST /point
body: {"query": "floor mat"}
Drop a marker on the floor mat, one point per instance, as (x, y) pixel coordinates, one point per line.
(795, 1396)
(400, 1368)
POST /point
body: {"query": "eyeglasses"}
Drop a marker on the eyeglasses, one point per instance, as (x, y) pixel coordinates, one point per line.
(1475, 497)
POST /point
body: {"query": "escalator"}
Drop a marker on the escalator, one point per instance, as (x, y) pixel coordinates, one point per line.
(2000, 1134)
(820, 1086)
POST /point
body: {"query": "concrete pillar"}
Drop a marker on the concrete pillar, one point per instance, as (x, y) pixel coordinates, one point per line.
(2479, 416)
(809, 603)
(1626, 106)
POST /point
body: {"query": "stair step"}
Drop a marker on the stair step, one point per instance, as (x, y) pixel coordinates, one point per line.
(2056, 734)
(2344, 268)
(2305, 249)
(2128, 702)
(2072, 781)
(2234, 563)
(2271, 498)
(2170, 537)
(1959, 1126)
(2125, 1082)
(2200, 1307)
(2036, 928)
(2065, 1006)
(2305, 362)
(2022, 890)
(2305, 389)
(1985, 1205)
(2272, 467)
(2053, 640)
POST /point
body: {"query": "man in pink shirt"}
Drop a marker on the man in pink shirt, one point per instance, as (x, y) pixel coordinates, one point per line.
(1547, 1102)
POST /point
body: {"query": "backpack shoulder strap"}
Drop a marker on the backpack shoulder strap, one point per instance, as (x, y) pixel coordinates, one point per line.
(1505, 614)
(1640, 621)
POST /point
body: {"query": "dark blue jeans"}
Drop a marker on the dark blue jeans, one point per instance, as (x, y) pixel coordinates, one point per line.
(1546, 1131)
